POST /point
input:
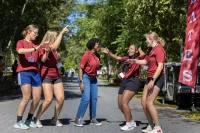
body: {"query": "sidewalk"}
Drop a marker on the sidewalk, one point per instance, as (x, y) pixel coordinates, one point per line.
(107, 112)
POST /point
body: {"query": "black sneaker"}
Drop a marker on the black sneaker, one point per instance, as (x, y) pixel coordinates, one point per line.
(94, 121)
(78, 122)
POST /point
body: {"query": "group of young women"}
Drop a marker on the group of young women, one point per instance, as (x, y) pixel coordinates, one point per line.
(154, 59)
(38, 71)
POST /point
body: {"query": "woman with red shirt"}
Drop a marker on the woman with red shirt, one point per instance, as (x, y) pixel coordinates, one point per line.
(28, 76)
(89, 64)
(130, 83)
(51, 81)
(155, 80)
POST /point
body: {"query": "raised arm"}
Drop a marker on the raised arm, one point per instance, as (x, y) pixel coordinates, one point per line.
(106, 51)
(141, 53)
(56, 44)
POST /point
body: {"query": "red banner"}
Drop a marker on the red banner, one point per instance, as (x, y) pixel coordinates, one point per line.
(189, 63)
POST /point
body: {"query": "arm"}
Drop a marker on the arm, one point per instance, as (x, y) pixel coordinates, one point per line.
(140, 62)
(45, 56)
(81, 79)
(28, 50)
(141, 52)
(158, 70)
(106, 51)
(56, 44)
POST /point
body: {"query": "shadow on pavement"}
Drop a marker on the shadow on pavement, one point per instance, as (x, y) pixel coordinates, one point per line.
(47, 122)
(71, 95)
(87, 122)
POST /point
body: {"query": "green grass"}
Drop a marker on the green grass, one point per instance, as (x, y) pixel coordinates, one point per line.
(192, 115)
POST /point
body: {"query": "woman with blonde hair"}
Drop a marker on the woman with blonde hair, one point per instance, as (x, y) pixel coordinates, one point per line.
(28, 76)
(51, 81)
(155, 80)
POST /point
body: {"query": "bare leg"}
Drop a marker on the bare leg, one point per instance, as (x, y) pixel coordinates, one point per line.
(150, 104)
(126, 97)
(59, 93)
(144, 104)
(48, 96)
(26, 94)
(36, 93)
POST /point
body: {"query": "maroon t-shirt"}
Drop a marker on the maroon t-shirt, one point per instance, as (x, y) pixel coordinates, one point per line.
(155, 55)
(90, 63)
(133, 70)
(49, 68)
(24, 64)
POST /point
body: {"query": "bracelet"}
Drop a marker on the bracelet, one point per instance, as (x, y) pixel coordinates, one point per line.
(34, 48)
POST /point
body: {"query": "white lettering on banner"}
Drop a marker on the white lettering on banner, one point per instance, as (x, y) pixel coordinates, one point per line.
(192, 1)
(188, 55)
(187, 75)
(193, 17)
(190, 34)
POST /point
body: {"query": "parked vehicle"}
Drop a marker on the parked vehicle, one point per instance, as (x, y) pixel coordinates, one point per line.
(184, 96)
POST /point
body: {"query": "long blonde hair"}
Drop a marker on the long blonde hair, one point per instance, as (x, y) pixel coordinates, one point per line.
(154, 36)
(28, 29)
(49, 37)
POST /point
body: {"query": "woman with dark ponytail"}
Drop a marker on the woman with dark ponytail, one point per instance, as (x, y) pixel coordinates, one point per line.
(129, 84)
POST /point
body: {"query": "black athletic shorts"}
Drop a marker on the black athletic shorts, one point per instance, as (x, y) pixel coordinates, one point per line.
(132, 84)
(159, 81)
(52, 80)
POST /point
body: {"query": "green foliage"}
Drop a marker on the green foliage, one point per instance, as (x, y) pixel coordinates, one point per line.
(119, 23)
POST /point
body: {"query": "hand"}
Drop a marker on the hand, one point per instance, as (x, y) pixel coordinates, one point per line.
(105, 50)
(48, 48)
(81, 86)
(150, 86)
(130, 61)
(38, 47)
(65, 29)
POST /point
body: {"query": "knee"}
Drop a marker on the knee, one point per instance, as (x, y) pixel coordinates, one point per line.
(36, 99)
(149, 104)
(48, 101)
(26, 99)
(60, 100)
(124, 104)
(143, 104)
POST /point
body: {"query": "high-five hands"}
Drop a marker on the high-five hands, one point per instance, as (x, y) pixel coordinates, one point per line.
(105, 50)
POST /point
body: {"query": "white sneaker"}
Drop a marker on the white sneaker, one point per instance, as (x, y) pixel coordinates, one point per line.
(21, 125)
(148, 129)
(38, 123)
(128, 127)
(156, 129)
(56, 123)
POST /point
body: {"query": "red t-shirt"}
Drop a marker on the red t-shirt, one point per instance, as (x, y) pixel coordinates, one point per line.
(49, 68)
(133, 70)
(155, 55)
(23, 64)
(90, 63)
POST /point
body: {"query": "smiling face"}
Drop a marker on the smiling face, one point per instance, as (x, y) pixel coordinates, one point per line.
(97, 46)
(149, 41)
(33, 33)
(131, 50)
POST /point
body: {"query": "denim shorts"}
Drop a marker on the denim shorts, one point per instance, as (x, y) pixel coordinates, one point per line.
(29, 77)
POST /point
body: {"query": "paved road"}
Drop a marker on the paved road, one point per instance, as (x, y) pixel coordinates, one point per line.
(108, 113)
